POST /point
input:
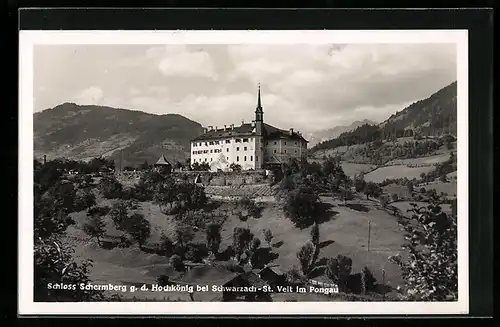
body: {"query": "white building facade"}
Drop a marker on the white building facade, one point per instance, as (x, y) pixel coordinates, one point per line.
(254, 145)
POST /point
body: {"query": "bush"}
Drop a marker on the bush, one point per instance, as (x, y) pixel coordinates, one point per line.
(338, 270)
(110, 188)
(195, 252)
(176, 262)
(431, 273)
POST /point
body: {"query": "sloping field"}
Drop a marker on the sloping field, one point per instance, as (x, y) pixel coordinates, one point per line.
(398, 171)
(351, 169)
(449, 188)
(452, 176)
(401, 191)
(405, 205)
(431, 160)
(348, 230)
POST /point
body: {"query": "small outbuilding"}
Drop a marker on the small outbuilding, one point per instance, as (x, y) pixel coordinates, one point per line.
(162, 165)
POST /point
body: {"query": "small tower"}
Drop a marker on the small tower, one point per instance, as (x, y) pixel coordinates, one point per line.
(259, 115)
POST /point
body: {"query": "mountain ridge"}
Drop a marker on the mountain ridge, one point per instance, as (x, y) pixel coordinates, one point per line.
(85, 131)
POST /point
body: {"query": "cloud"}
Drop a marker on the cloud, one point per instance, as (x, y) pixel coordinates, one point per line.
(175, 61)
(90, 95)
(304, 86)
(335, 81)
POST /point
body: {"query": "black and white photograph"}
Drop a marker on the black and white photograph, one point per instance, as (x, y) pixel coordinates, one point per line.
(278, 172)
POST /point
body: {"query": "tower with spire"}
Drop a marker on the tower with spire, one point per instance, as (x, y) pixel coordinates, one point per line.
(259, 115)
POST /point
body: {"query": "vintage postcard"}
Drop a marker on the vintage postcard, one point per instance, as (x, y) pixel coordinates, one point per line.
(279, 172)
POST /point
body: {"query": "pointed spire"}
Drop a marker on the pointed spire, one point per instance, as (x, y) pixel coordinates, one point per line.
(259, 104)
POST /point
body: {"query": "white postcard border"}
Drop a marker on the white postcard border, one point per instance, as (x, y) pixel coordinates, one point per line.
(28, 39)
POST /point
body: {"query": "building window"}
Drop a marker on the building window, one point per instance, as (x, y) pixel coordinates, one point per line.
(237, 148)
(267, 143)
(237, 140)
(227, 150)
(206, 143)
(245, 148)
(194, 160)
(211, 143)
(295, 151)
(274, 151)
(285, 142)
(275, 143)
(256, 158)
(295, 143)
(245, 158)
(205, 159)
(227, 158)
(285, 150)
(237, 158)
(228, 141)
(210, 159)
(245, 140)
(211, 151)
(216, 142)
(251, 158)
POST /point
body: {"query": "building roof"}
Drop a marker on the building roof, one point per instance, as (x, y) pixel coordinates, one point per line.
(272, 269)
(163, 161)
(247, 129)
(206, 275)
(247, 277)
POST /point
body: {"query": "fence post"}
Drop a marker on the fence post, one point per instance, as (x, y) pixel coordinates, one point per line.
(383, 283)
(369, 234)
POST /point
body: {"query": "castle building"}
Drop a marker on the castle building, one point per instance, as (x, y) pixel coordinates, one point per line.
(254, 145)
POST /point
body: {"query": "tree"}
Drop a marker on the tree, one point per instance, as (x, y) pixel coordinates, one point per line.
(95, 227)
(431, 273)
(315, 242)
(252, 250)
(305, 256)
(409, 186)
(165, 195)
(384, 200)
(338, 270)
(213, 237)
(394, 197)
(110, 188)
(373, 190)
(359, 183)
(63, 195)
(176, 262)
(139, 228)
(179, 165)
(268, 236)
(166, 245)
(119, 215)
(241, 240)
(235, 167)
(184, 235)
(368, 281)
(301, 206)
(198, 198)
(54, 264)
(84, 199)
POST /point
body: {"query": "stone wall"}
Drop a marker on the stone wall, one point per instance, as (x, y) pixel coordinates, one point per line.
(254, 177)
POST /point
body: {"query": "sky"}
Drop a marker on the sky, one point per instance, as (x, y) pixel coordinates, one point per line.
(308, 87)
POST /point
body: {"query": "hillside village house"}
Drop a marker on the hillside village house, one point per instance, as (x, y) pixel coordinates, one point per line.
(254, 145)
